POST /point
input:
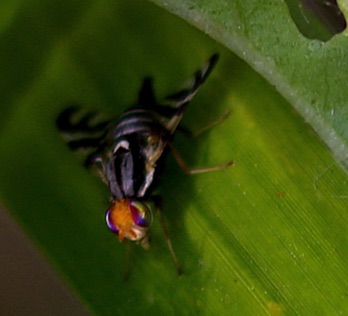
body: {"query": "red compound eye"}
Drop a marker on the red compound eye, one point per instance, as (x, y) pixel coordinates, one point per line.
(112, 226)
(141, 214)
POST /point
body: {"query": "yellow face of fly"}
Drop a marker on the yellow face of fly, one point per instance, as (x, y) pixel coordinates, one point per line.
(129, 219)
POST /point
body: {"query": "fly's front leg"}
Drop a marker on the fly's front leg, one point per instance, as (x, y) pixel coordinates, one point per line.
(181, 162)
(158, 204)
(127, 265)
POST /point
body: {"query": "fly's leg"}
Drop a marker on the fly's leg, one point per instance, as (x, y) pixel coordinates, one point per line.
(127, 265)
(158, 203)
(204, 128)
(181, 162)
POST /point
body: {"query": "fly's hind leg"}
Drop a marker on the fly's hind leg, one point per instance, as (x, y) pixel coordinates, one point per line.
(181, 162)
(204, 128)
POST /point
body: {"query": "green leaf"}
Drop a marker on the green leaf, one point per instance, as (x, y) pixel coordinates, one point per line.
(266, 237)
(310, 74)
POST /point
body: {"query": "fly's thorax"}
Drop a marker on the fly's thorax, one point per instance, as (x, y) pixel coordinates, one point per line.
(130, 163)
(130, 219)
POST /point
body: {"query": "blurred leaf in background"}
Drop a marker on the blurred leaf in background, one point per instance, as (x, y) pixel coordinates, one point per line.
(268, 236)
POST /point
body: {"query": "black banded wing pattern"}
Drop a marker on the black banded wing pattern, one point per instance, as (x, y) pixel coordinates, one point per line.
(83, 131)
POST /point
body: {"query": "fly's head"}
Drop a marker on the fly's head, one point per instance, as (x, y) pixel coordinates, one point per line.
(130, 219)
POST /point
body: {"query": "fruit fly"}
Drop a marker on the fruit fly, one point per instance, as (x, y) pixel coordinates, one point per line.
(126, 154)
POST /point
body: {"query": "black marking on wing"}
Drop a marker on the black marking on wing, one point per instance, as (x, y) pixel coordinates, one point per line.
(146, 97)
(82, 131)
(67, 123)
(185, 95)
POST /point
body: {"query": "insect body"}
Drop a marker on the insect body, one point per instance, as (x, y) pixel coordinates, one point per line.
(126, 154)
